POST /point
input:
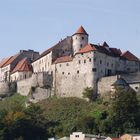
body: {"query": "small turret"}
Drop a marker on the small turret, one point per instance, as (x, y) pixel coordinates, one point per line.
(80, 39)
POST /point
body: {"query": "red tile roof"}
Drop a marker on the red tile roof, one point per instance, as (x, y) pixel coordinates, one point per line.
(81, 30)
(4, 61)
(129, 56)
(63, 59)
(22, 66)
(10, 60)
(87, 48)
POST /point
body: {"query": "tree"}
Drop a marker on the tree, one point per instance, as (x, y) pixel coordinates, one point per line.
(124, 111)
(89, 93)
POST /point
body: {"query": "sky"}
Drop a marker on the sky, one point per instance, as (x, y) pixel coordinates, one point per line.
(40, 24)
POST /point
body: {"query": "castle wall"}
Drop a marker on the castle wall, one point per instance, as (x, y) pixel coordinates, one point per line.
(131, 66)
(42, 80)
(105, 85)
(24, 86)
(4, 88)
(20, 75)
(4, 75)
(43, 64)
(72, 77)
(103, 63)
(7, 88)
(63, 48)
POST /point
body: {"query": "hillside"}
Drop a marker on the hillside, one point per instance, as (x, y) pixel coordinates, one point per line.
(61, 116)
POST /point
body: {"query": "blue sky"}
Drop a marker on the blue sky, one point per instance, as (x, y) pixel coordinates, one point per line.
(39, 24)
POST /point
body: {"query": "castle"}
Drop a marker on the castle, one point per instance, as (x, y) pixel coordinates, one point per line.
(68, 67)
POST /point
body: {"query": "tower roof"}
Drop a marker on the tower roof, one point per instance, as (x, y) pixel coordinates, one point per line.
(81, 30)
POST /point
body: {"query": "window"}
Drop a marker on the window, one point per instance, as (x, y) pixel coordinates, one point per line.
(69, 73)
(112, 65)
(67, 64)
(63, 73)
(81, 45)
(75, 37)
(94, 69)
(79, 61)
(136, 87)
(77, 136)
(107, 64)
(100, 61)
(94, 59)
(60, 65)
(84, 61)
(82, 38)
(78, 72)
(89, 59)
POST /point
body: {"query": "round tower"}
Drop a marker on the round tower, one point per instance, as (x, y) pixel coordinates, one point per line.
(79, 40)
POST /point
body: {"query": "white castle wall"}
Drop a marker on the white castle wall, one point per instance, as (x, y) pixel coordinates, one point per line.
(42, 80)
(4, 88)
(105, 85)
(79, 41)
(71, 77)
(43, 64)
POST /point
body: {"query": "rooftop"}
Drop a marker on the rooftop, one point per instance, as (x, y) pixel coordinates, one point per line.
(22, 66)
(131, 57)
(81, 30)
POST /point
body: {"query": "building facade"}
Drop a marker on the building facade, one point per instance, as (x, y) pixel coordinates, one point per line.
(74, 64)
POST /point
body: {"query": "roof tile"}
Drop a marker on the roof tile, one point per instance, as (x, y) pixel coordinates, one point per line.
(129, 56)
(63, 59)
(87, 48)
(81, 30)
(22, 66)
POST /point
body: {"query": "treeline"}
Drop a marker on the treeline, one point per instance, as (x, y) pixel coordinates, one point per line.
(60, 117)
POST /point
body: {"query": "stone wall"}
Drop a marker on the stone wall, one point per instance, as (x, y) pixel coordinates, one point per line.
(104, 85)
(7, 88)
(42, 80)
(70, 78)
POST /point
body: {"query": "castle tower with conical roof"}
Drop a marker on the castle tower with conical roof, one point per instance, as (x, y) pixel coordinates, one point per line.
(80, 39)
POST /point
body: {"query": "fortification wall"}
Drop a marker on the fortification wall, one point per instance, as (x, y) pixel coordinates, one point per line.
(72, 77)
(7, 88)
(104, 85)
(4, 88)
(42, 80)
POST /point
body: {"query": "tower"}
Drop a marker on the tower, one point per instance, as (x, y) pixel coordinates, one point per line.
(79, 39)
